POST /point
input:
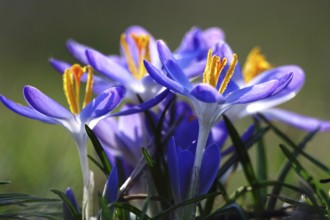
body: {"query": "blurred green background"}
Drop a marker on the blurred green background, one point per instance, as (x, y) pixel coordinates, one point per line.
(37, 157)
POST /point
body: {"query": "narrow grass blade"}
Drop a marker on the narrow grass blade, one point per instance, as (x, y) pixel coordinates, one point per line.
(99, 150)
(69, 204)
(245, 161)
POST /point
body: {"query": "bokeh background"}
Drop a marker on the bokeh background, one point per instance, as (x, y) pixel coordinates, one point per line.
(38, 157)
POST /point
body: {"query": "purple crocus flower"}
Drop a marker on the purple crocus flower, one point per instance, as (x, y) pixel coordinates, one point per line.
(256, 69)
(218, 92)
(124, 138)
(180, 166)
(43, 108)
(67, 215)
(137, 44)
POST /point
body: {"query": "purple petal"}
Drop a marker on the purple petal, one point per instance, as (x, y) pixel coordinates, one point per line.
(100, 84)
(132, 126)
(69, 193)
(44, 104)
(59, 65)
(252, 93)
(26, 111)
(109, 139)
(211, 36)
(78, 51)
(218, 134)
(112, 186)
(195, 69)
(283, 82)
(173, 169)
(164, 80)
(187, 131)
(189, 48)
(206, 93)
(144, 106)
(67, 215)
(296, 120)
(185, 165)
(171, 66)
(108, 67)
(295, 84)
(102, 104)
(209, 168)
(190, 41)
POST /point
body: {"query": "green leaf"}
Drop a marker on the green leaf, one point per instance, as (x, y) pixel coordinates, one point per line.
(245, 161)
(302, 144)
(234, 158)
(230, 208)
(321, 194)
(4, 182)
(69, 204)
(298, 149)
(100, 151)
(129, 208)
(185, 203)
(105, 210)
(98, 164)
(261, 161)
(147, 157)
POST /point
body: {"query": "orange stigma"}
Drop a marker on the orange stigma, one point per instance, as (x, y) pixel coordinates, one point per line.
(71, 85)
(142, 45)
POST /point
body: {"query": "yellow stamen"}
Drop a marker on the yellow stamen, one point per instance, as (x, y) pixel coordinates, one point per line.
(229, 74)
(71, 85)
(142, 44)
(213, 69)
(255, 64)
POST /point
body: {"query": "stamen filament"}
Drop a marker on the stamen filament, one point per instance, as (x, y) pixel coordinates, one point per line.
(229, 74)
(89, 86)
(130, 61)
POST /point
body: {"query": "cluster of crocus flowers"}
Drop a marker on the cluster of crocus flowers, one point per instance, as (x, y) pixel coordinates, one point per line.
(203, 69)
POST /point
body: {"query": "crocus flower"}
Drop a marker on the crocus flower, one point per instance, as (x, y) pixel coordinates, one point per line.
(67, 214)
(43, 108)
(128, 135)
(137, 45)
(180, 166)
(257, 69)
(218, 92)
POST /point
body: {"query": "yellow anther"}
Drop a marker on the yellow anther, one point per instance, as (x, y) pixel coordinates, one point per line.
(142, 45)
(213, 68)
(229, 74)
(255, 64)
(71, 85)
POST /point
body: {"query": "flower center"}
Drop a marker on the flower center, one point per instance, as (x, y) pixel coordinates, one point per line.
(214, 67)
(255, 64)
(71, 85)
(141, 42)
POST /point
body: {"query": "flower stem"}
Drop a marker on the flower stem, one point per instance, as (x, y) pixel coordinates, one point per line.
(88, 179)
(203, 133)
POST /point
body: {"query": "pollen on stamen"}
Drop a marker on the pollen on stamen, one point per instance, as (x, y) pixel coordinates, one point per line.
(255, 64)
(229, 74)
(213, 68)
